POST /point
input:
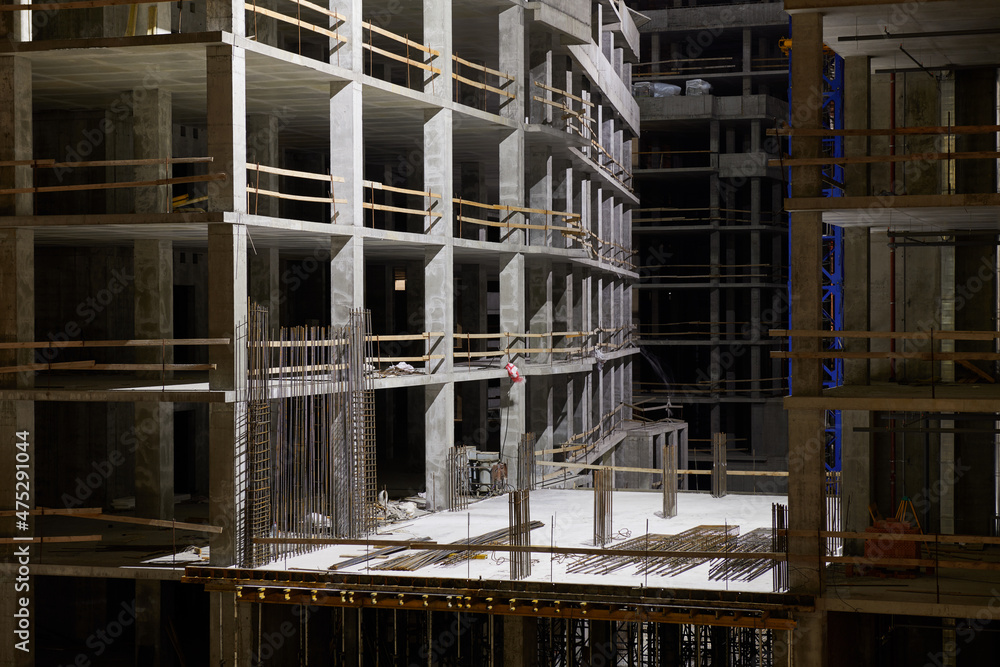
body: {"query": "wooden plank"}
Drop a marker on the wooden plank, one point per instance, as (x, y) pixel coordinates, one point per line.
(399, 209)
(320, 9)
(111, 186)
(878, 159)
(77, 4)
(282, 195)
(375, 185)
(150, 342)
(50, 540)
(563, 93)
(482, 86)
(50, 164)
(325, 178)
(899, 335)
(42, 511)
(482, 68)
(155, 523)
(92, 366)
(401, 40)
(883, 132)
(58, 366)
(920, 356)
(403, 59)
(293, 21)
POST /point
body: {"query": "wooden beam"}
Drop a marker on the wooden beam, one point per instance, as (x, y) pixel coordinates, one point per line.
(879, 159)
(883, 132)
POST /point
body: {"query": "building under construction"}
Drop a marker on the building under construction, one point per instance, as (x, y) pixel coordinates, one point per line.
(317, 336)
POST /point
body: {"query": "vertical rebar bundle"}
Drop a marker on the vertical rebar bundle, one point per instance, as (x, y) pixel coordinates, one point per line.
(834, 545)
(779, 544)
(519, 531)
(257, 471)
(718, 465)
(669, 480)
(458, 478)
(602, 507)
(318, 477)
(526, 462)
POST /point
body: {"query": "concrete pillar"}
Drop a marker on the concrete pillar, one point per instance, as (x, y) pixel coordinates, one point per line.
(438, 170)
(540, 194)
(349, 55)
(225, 16)
(148, 606)
(806, 438)
(151, 135)
(439, 304)
(15, 131)
(520, 638)
(512, 320)
(347, 151)
(513, 61)
(265, 289)
(540, 62)
(539, 301)
(856, 459)
(263, 149)
(226, 93)
(347, 284)
(438, 36)
(17, 323)
(227, 310)
(232, 635)
(15, 26)
(439, 438)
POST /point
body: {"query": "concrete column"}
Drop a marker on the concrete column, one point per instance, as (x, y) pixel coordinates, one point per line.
(225, 16)
(806, 438)
(226, 92)
(438, 170)
(540, 308)
(856, 458)
(148, 606)
(265, 290)
(15, 130)
(347, 280)
(438, 36)
(439, 304)
(227, 310)
(513, 61)
(473, 187)
(153, 266)
(540, 195)
(349, 55)
(512, 320)
(232, 635)
(439, 438)
(151, 135)
(540, 61)
(512, 184)
(263, 149)
(347, 151)
(17, 323)
(520, 640)
(154, 460)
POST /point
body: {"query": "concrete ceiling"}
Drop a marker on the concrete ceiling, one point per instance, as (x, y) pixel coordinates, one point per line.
(961, 33)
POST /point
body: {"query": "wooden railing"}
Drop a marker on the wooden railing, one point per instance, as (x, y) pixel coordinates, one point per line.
(427, 211)
(408, 43)
(90, 365)
(254, 191)
(332, 32)
(147, 162)
(503, 80)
